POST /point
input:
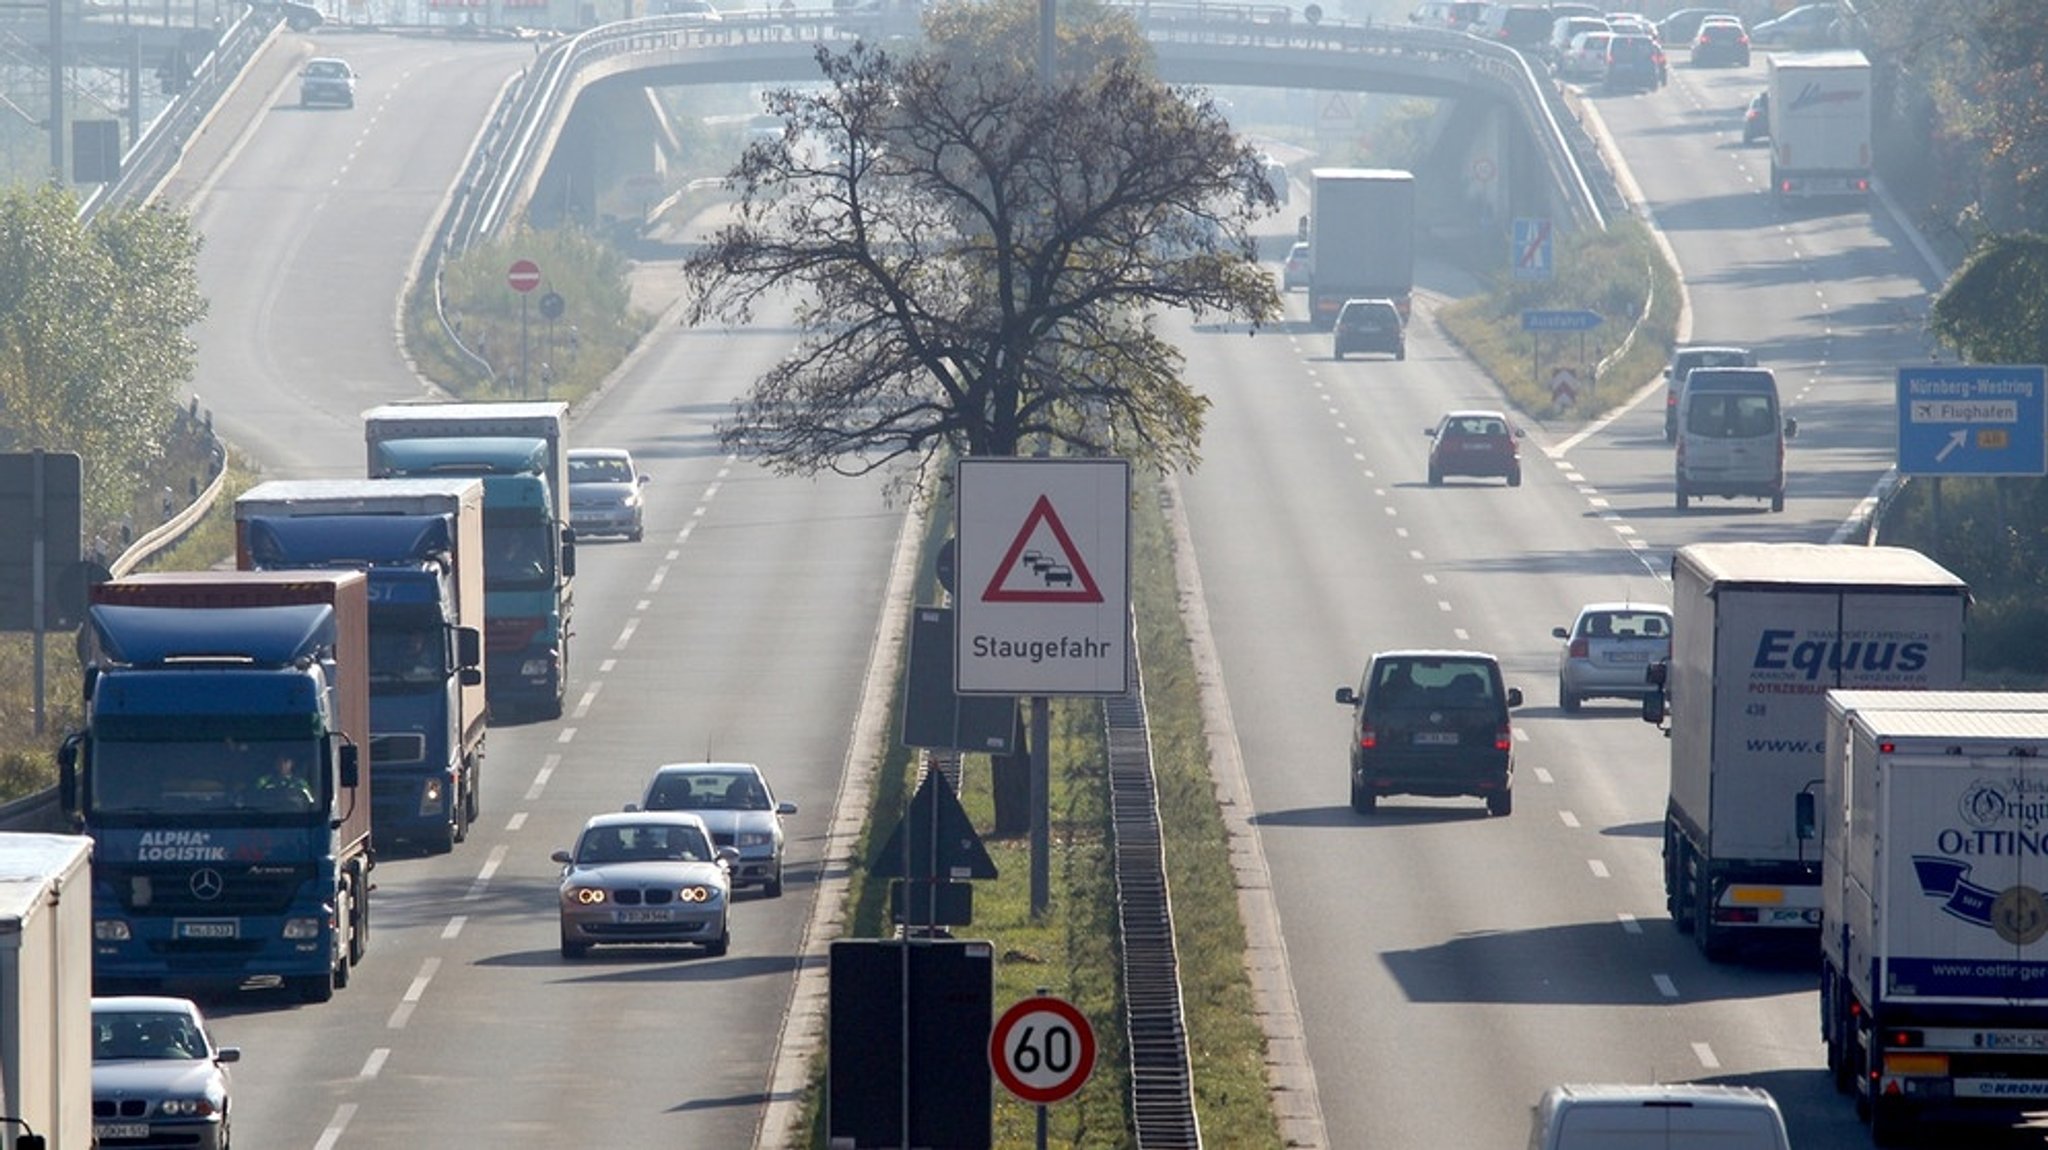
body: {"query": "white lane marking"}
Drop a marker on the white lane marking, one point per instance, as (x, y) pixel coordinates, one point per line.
(1706, 1056)
(540, 777)
(1543, 776)
(1598, 868)
(625, 634)
(604, 666)
(374, 1062)
(1665, 986)
(567, 734)
(454, 928)
(335, 1126)
(660, 573)
(1401, 532)
(484, 873)
(1443, 604)
(1429, 579)
(1414, 554)
(418, 989)
(589, 697)
(1629, 923)
(517, 820)
(1569, 819)
(1462, 634)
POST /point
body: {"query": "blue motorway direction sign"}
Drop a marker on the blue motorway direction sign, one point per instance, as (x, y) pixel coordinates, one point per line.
(1972, 419)
(1560, 320)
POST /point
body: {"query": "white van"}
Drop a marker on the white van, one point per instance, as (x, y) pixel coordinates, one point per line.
(1674, 1117)
(1731, 436)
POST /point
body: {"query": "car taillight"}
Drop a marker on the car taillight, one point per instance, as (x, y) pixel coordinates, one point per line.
(1367, 738)
(1580, 648)
(1743, 40)
(1504, 739)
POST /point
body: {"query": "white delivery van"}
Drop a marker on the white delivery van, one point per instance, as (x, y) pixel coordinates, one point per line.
(1681, 1116)
(1731, 436)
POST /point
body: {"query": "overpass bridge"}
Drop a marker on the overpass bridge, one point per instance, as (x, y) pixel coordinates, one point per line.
(1502, 146)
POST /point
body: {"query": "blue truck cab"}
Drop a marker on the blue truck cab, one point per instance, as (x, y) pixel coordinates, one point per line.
(420, 541)
(220, 775)
(529, 550)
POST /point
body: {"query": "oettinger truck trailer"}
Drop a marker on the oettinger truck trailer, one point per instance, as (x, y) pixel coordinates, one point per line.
(421, 543)
(520, 451)
(45, 990)
(1760, 633)
(1933, 822)
(221, 778)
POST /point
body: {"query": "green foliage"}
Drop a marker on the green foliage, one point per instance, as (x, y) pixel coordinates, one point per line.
(1993, 533)
(1994, 309)
(92, 337)
(563, 359)
(1619, 273)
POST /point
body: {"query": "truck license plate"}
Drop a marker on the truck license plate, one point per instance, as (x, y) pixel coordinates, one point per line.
(107, 1131)
(209, 928)
(1436, 738)
(645, 915)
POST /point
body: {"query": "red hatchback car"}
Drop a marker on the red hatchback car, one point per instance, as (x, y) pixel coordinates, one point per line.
(1481, 443)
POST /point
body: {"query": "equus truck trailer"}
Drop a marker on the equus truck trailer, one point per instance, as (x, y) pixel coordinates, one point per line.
(520, 451)
(421, 543)
(1933, 821)
(220, 775)
(1760, 633)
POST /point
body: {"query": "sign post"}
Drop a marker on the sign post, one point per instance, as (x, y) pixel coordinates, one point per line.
(1042, 1050)
(523, 276)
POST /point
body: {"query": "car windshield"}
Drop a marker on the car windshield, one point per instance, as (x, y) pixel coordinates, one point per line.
(327, 69)
(1625, 625)
(1432, 681)
(139, 1034)
(605, 469)
(1728, 358)
(643, 842)
(709, 791)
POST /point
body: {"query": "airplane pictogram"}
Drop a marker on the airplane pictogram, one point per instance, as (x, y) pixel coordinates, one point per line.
(1036, 569)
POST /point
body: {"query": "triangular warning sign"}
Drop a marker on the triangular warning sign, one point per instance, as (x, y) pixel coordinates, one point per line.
(1042, 565)
(1336, 107)
(933, 840)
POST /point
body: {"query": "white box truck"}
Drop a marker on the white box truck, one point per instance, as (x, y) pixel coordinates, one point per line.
(1760, 633)
(45, 990)
(1820, 123)
(1934, 926)
(1361, 239)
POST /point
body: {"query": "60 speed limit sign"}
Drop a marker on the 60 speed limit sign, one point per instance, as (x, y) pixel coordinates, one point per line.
(1042, 1049)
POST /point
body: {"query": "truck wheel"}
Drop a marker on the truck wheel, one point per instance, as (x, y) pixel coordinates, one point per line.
(444, 838)
(1501, 804)
(1712, 940)
(1678, 882)
(316, 987)
(1891, 1124)
(1684, 500)
(1778, 501)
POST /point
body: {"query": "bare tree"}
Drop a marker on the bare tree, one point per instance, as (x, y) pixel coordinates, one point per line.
(978, 255)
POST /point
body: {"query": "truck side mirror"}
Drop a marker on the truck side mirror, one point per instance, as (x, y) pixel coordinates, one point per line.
(1803, 817)
(67, 778)
(469, 649)
(568, 553)
(351, 767)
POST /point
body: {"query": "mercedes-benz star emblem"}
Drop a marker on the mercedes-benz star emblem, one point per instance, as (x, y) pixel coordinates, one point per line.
(207, 884)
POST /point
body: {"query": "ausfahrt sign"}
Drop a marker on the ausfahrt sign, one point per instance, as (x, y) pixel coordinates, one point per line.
(1043, 575)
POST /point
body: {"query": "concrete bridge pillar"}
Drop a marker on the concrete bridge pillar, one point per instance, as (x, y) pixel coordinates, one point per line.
(615, 144)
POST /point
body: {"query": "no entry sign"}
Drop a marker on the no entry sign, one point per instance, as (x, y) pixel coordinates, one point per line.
(524, 276)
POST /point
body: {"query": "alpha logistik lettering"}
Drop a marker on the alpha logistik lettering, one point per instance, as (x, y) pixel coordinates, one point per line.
(1040, 650)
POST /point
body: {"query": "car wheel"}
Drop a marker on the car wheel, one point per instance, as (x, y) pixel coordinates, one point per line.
(773, 887)
(719, 946)
(1401, 352)
(1778, 501)
(1501, 803)
(1436, 477)
(1566, 701)
(1362, 799)
(1515, 477)
(1337, 354)
(1684, 500)
(574, 949)
(635, 535)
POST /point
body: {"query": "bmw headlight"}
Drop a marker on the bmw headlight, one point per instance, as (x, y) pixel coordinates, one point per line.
(187, 1108)
(699, 894)
(585, 895)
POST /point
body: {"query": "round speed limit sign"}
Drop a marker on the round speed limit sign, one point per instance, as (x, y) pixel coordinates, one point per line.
(1042, 1049)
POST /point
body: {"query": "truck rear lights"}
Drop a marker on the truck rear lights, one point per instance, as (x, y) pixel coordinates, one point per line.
(1903, 1039)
